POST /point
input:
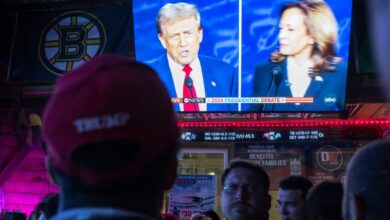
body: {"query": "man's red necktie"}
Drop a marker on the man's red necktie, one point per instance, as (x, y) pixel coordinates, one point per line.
(189, 91)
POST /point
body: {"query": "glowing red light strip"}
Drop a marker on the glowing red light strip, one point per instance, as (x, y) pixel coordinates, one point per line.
(283, 123)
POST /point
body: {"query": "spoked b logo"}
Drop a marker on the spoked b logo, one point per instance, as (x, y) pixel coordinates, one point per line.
(70, 40)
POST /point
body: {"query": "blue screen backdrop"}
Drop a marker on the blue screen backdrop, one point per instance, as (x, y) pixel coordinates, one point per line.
(221, 38)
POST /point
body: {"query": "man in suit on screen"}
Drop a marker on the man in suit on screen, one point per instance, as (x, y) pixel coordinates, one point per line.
(185, 73)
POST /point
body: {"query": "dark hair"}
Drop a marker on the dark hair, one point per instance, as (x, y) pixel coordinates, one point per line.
(51, 205)
(296, 183)
(14, 216)
(95, 157)
(255, 168)
(47, 206)
(198, 216)
(323, 201)
(212, 214)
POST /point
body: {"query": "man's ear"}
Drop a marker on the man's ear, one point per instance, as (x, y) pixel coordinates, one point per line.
(359, 207)
(200, 34)
(51, 172)
(162, 41)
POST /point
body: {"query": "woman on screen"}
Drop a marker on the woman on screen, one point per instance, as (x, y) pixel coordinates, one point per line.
(306, 67)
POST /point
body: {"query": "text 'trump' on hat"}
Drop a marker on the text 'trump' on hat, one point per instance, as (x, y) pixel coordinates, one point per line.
(109, 98)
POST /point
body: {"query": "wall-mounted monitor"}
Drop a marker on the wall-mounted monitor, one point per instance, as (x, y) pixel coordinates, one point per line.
(247, 56)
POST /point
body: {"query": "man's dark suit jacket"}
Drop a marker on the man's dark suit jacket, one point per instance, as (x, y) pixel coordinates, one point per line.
(220, 80)
(271, 81)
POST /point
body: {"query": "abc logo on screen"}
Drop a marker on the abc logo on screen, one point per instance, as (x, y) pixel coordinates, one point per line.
(330, 100)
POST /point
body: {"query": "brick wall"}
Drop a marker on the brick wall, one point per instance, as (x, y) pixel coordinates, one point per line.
(28, 183)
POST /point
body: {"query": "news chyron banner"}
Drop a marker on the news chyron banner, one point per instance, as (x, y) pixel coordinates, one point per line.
(245, 100)
(192, 194)
(49, 43)
(316, 160)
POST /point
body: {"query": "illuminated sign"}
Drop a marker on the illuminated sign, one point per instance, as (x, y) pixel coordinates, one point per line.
(306, 135)
(271, 135)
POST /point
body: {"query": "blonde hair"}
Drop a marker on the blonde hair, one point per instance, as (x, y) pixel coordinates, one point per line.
(322, 27)
(176, 11)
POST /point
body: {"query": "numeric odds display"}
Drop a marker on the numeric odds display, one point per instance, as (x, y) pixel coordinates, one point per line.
(272, 135)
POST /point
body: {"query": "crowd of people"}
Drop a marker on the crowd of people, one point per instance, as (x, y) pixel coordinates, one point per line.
(114, 160)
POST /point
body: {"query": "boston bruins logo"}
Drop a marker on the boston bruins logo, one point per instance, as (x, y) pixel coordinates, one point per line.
(70, 40)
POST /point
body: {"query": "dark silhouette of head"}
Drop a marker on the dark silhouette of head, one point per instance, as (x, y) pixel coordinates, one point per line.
(366, 192)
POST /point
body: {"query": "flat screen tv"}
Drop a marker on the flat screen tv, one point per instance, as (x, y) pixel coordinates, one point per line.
(247, 56)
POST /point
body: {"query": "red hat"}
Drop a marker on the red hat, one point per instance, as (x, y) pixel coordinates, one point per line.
(169, 216)
(109, 98)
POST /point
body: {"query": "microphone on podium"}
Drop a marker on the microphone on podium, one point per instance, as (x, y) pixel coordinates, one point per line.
(190, 83)
(276, 72)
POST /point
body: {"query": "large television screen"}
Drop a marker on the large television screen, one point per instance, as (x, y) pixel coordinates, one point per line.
(247, 56)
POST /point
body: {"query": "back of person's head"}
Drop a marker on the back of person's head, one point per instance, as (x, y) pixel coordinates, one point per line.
(211, 214)
(367, 192)
(172, 12)
(198, 216)
(111, 129)
(296, 183)
(14, 216)
(323, 201)
(256, 169)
